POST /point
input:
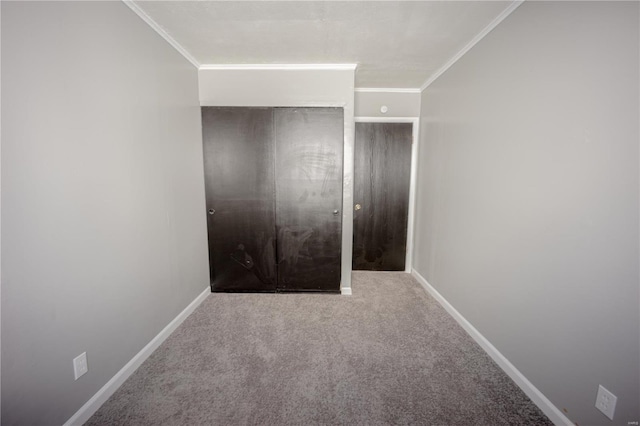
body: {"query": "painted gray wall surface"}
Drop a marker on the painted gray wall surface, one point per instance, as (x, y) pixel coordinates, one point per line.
(527, 208)
(367, 104)
(276, 87)
(103, 224)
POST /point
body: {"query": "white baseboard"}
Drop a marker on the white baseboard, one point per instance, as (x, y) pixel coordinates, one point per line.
(96, 401)
(547, 407)
(346, 291)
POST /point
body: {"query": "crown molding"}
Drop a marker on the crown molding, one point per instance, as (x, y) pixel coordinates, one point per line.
(153, 24)
(501, 17)
(280, 67)
(387, 90)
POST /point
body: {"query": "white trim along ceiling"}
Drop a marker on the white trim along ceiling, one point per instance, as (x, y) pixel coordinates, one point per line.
(454, 53)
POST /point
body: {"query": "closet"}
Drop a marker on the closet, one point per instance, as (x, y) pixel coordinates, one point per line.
(273, 181)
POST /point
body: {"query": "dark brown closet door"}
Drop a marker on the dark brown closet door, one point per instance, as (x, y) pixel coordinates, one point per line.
(381, 194)
(309, 151)
(239, 152)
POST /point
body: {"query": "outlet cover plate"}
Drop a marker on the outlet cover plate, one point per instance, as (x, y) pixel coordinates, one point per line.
(606, 402)
(80, 366)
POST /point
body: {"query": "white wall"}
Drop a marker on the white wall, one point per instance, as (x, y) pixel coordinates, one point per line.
(527, 213)
(399, 104)
(294, 86)
(103, 215)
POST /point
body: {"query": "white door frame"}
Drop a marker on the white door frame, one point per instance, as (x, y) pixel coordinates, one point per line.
(414, 175)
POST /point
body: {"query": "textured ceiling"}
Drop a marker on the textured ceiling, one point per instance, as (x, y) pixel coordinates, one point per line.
(396, 44)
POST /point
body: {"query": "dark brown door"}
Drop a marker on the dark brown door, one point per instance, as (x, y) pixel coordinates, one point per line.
(381, 195)
(309, 151)
(239, 150)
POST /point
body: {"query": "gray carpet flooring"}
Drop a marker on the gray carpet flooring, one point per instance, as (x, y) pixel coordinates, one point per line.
(389, 354)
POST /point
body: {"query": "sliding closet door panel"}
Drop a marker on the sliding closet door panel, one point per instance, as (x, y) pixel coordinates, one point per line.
(381, 194)
(309, 152)
(240, 188)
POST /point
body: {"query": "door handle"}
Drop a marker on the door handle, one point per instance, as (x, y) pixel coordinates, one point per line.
(335, 212)
(212, 211)
(357, 207)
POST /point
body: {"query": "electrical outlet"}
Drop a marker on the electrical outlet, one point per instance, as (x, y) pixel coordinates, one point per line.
(606, 402)
(80, 365)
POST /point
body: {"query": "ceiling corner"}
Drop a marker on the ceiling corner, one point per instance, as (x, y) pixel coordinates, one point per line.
(482, 34)
(157, 28)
